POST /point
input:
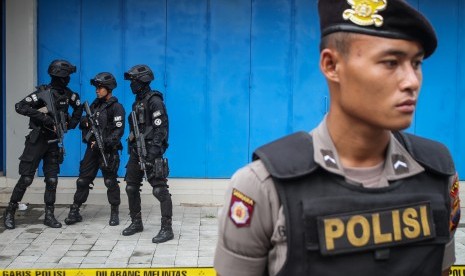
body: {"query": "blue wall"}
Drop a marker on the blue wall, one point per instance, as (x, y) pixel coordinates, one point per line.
(235, 73)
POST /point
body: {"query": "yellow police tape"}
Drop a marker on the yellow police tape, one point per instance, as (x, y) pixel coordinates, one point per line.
(181, 271)
(457, 270)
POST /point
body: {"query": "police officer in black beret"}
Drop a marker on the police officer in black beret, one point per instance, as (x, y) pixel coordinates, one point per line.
(47, 108)
(355, 196)
(102, 150)
(146, 150)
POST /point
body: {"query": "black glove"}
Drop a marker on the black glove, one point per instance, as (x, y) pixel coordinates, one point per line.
(72, 124)
(84, 124)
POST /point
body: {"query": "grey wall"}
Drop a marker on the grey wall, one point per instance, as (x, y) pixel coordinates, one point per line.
(20, 73)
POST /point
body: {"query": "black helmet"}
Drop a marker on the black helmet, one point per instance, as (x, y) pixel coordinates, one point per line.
(141, 73)
(104, 79)
(61, 68)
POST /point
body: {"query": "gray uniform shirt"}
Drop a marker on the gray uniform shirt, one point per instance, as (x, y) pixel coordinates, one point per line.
(259, 241)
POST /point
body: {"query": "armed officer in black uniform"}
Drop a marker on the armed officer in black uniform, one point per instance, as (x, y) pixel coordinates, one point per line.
(47, 109)
(152, 121)
(108, 115)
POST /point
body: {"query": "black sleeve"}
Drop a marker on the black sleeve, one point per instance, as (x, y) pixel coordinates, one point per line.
(75, 103)
(159, 121)
(29, 107)
(118, 123)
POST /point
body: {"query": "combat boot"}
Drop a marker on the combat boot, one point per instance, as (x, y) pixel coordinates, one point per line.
(9, 215)
(114, 218)
(74, 215)
(50, 219)
(135, 226)
(165, 233)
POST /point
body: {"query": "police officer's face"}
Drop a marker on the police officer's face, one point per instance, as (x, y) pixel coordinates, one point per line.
(101, 91)
(378, 81)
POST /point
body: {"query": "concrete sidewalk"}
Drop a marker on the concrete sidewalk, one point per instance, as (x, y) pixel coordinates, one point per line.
(94, 244)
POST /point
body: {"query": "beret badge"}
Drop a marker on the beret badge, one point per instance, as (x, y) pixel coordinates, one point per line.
(364, 12)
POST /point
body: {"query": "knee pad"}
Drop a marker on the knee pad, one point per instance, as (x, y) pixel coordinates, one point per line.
(160, 192)
(82, 183)
(132, 189)
(51, 183)
(110, 183)
(25, 181)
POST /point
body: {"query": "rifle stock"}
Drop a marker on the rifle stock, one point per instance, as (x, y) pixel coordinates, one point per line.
(95, 129)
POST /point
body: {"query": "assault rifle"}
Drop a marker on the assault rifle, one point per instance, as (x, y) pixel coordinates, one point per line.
(59, 120)
(140, 144)
(95, 130)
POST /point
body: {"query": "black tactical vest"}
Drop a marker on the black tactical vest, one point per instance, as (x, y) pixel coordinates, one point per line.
(337, 228)
(144, 116)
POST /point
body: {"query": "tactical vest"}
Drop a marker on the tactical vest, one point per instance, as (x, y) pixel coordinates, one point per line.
(104, 114)
(337, 228)
(61, 102)
(144, 116)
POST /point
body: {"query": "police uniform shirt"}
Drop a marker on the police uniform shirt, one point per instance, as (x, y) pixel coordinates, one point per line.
(259, 242)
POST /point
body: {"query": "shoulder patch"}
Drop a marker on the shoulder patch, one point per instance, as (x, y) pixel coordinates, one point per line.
(455, 204)
(157, 122)
(241, 209)
(156, 114)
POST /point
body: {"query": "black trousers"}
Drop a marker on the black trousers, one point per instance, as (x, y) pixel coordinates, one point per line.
(88, 170)
(134, 177)
(36, 149)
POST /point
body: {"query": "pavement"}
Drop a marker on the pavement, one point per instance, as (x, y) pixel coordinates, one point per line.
(92, 243)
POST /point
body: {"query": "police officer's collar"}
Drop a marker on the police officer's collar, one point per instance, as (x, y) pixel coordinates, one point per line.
(398, 163)
(103, 104)
(141, 95)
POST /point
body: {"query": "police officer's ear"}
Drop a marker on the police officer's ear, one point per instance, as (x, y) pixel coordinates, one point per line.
(329, 64)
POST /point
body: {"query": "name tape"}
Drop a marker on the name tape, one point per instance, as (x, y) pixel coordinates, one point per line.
(343, 233)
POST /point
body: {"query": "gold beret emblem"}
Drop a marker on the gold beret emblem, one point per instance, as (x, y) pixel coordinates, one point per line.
(364, 12)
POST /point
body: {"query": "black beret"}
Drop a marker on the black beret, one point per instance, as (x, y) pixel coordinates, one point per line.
(386, 18)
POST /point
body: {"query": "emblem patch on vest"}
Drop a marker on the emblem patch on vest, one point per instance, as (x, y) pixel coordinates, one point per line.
(381, 228)
(241, 209)
(455, 204)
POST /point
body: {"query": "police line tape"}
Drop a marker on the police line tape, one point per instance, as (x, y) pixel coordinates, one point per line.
(456, 270)
(203, 271)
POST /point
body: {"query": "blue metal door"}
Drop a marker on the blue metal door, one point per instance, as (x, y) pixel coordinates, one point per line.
(235, 73)
(59, 37)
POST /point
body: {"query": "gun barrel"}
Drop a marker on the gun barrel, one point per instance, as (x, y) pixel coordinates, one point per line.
(96, 132)
(140, 144)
